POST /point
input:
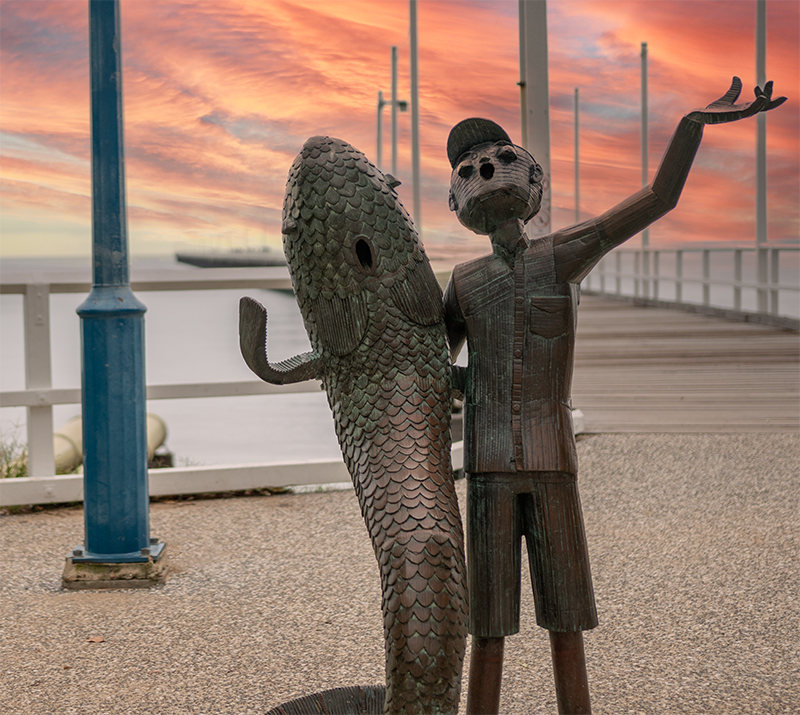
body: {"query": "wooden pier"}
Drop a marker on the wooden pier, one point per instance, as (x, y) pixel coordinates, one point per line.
(642, 369)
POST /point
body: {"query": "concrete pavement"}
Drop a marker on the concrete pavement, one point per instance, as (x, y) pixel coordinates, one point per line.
(694, 542)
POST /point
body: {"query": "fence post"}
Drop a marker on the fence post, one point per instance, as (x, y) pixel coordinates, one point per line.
(656, 256)
(38, 375)
(619, 272)
(678, 277)
(602, 272)
(637, 257)
(762, 268)
(773, 278)
(737, 279)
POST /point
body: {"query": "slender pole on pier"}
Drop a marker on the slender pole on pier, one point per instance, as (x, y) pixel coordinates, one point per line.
(577, 160)
(645, 136)
(761, 158)
(396, 104)
(415, 152)
(523, 97)
(394, 111)
(533, 17)
(116, 498)
(645, 171)
(379, 152)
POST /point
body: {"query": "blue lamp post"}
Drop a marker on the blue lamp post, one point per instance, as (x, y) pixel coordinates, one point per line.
(116, 497)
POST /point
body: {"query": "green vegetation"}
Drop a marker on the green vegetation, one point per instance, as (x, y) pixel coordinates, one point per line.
(13, 457)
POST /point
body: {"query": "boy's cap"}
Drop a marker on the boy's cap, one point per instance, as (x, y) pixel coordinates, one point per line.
(471, 132)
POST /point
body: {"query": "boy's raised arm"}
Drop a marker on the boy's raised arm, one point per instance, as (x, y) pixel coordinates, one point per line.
(647, 205)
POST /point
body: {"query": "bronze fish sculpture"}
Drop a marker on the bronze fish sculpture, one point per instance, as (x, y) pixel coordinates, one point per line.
(373, 312)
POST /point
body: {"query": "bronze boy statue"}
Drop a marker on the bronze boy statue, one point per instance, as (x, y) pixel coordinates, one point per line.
(516, 308)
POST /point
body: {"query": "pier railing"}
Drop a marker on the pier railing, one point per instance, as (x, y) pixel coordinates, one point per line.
(642, 270)
(707, 279)
(39, 395)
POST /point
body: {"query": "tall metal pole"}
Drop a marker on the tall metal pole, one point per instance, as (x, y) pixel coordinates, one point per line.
(379, 151)
(394, 111)
(645, 136)
(537, 95)
(523, 99)
(761, 158)
(116, 498)
(415, 151)
(645, 170)
(577, 160)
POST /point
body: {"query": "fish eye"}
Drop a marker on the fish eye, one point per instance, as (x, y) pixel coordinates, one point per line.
(465, 170)
(364, 254)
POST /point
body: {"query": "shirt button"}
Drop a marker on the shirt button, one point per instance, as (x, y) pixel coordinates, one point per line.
(518, 353)
(516, 408)
(519, 299)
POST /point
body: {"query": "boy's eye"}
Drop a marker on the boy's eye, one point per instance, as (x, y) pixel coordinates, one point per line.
(465, 171)
(507, 155)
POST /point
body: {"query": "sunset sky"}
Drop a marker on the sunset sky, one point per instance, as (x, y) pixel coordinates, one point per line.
(220, 96)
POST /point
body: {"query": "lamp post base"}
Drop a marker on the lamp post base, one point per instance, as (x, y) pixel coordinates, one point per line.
(84, 570)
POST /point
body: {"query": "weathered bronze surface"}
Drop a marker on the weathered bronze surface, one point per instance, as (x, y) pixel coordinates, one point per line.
(355, 700)
(373, 312)
(516, 310)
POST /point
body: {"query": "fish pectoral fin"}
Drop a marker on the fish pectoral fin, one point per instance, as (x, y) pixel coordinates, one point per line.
(418, 295)
(253, 344)
(341, 322)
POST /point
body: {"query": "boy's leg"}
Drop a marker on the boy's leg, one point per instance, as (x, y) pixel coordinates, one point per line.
(493, 558)
(562, 582)
(569, 669)
(485, 676)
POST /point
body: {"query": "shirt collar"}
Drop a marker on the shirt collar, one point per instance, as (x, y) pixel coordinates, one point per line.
(509, 255)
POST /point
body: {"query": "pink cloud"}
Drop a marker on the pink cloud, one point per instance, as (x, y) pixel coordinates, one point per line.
(219, 97)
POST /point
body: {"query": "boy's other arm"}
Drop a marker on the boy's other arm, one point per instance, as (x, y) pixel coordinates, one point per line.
(580, 247)
(456, 332)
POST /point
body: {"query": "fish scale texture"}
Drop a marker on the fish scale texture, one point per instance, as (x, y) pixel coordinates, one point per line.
(372, 309)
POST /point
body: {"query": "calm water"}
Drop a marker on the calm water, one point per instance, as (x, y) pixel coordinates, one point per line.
(190, 336)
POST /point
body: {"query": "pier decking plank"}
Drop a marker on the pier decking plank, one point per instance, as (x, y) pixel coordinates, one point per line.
(641, 369)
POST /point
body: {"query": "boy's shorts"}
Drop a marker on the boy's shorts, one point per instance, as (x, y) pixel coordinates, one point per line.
(545, 508)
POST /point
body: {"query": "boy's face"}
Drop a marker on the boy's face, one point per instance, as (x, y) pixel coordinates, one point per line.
(494, 183)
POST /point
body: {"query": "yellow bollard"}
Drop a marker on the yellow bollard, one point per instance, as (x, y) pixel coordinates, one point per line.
(68, 446)
(68, 442)
(156, 434)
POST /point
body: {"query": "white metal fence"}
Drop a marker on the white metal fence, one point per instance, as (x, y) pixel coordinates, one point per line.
(642, 271)
(39, 396)
(762, 282)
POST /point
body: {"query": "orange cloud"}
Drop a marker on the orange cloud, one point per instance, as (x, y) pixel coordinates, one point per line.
(219, 97)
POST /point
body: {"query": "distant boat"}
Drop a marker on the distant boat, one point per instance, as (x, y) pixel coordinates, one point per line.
(235, 258)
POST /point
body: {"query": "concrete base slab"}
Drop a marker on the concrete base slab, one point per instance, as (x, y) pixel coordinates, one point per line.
(97, 575)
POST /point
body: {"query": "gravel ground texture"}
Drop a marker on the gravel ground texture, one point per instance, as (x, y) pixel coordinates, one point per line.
(694, 542)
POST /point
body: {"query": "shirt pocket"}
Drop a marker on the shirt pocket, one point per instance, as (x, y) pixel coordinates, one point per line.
(549, 315)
